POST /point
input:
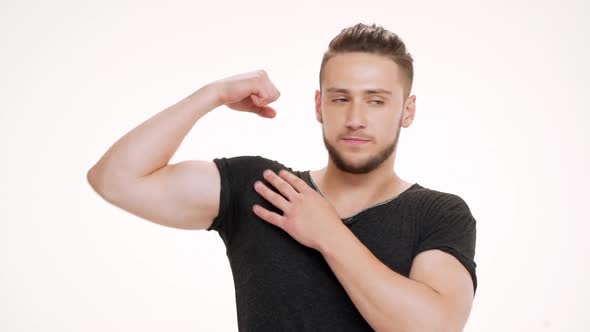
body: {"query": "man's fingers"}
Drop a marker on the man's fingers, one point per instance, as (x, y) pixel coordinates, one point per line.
(251, 92)
(267, 89)
(258, 100)
(267, 112)
(265, 96)
(294, 181)
(274, 198)
(279, 183)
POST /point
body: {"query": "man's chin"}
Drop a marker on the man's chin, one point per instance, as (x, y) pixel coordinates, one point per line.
(356, 162)
(352, 166)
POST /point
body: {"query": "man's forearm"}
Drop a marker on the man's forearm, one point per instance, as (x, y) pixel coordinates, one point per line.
(151, 145)
(386, 299)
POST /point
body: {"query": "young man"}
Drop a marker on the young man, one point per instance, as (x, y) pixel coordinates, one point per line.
(350, 247)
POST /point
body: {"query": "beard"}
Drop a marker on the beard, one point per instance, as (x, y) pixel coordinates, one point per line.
(368, 165)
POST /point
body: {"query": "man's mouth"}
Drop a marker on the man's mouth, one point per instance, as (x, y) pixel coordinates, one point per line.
(355, 140)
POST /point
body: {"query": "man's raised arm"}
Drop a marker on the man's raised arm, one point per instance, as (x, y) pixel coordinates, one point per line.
(134, 173)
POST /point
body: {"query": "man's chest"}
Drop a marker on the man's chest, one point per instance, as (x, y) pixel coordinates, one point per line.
(260, 245)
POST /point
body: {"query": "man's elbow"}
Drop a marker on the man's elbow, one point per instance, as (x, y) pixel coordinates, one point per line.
(100, 183)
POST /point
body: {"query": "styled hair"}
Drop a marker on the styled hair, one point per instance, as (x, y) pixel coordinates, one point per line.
(372, 39)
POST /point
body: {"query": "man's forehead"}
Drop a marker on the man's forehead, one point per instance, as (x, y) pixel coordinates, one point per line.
(362, 75)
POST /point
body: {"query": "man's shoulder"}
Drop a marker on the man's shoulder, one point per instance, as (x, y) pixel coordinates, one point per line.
(250, 163)
(436, 199)
(244, 159)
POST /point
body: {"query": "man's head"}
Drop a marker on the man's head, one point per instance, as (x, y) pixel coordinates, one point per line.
(365, 83)
(372, 39)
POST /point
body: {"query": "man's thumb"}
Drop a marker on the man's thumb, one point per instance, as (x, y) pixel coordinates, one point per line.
(267, 112)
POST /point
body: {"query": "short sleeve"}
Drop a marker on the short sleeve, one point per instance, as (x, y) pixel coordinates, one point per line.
(233, 174)
(237, 174)
(450, 227)
(224, 194)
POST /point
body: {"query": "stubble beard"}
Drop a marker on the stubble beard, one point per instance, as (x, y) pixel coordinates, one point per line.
(369, 165)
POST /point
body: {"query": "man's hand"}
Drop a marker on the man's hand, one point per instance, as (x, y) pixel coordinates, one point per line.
(307, 216)
(248, 92)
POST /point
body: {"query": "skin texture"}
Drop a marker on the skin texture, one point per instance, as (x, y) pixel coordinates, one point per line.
(438, 294)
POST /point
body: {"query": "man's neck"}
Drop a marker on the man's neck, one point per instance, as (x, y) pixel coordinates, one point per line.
(334, 180)
(351, 192)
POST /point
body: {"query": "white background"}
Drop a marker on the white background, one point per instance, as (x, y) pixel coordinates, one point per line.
(502, 107)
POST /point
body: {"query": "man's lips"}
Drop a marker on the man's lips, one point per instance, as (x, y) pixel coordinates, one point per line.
(355, 140)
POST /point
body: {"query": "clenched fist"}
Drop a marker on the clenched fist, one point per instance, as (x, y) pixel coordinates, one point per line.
(249, 92)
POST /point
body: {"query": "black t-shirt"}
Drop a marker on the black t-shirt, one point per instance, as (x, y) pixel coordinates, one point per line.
(282, 285)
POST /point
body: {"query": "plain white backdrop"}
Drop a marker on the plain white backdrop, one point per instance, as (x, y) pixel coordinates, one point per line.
(502, 110)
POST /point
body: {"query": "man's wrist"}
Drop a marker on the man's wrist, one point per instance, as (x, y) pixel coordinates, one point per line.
(335, 239)
(208, 96)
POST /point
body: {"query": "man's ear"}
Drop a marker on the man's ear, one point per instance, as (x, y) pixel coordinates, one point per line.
(318, 105)
(409, 111)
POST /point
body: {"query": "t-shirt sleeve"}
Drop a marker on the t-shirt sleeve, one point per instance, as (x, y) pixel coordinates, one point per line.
(450, 227)
(237, 175)
(232, 172)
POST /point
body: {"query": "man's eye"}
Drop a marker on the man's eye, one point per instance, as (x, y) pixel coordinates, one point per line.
(341, 100)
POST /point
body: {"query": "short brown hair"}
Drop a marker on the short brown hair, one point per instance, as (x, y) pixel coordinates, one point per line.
(372, 39)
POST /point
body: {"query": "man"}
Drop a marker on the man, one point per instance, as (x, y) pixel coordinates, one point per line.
(350, 247)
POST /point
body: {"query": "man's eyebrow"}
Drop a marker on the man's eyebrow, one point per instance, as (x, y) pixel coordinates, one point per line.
(367, 92)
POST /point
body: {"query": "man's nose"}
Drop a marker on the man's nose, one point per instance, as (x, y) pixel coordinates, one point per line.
(356, 115)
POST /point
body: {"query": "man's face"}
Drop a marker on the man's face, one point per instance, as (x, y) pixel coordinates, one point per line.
(362, 109)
